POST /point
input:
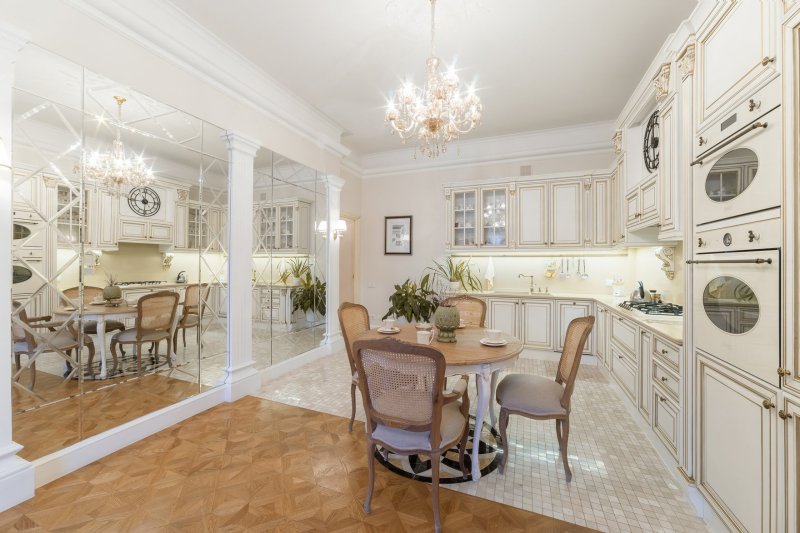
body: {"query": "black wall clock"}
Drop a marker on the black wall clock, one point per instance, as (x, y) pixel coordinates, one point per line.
(144, 201)
(650, 149)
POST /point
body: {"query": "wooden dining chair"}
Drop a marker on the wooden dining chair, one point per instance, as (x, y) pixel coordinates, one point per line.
(540, 398)
(408, 411)
(90, 294)
(471, 310)
(195, 299)
(155, 314)
(353, 320)
(26, 343)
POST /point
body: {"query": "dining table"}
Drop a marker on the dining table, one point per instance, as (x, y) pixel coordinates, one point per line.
(468, 356)
(101, 312)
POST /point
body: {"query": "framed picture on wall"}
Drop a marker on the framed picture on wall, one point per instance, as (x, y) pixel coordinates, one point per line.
(397, 236)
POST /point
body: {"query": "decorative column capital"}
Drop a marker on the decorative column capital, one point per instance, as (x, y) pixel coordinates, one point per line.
(240, 143)
(661, 81)
(333, 183)
(686, 62)
(617, 142)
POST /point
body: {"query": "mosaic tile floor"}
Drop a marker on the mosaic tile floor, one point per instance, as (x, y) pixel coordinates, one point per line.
(619, 481)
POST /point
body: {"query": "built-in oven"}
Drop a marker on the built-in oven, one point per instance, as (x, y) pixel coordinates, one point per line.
(737, 309)
(27, 231)
(737, 166)
(26, 277)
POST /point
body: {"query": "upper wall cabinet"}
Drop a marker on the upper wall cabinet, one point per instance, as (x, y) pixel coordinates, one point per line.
(736, 53)
(478, 217)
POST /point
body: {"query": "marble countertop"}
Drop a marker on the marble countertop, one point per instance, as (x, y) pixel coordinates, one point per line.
(672, 330)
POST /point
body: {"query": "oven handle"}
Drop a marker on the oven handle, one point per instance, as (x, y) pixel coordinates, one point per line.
(754, 126)
(758, 261)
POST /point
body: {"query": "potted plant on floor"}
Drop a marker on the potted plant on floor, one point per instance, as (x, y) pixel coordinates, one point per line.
(414, 301)
(458, 274)
(309, 298)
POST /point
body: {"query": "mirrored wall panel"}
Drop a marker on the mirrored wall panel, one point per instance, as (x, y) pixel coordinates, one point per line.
(289, 259)
(119, 254)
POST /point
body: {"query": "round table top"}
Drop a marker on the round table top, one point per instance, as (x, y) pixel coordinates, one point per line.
(466, 351)
(98, 310)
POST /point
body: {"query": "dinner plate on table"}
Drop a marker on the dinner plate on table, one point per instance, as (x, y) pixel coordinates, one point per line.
(389, 331)
(488, 342)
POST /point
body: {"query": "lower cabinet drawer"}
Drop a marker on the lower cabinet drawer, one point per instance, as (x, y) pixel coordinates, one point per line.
(623, 371)
(667, 351)
(624, 332)
(666, 379)
(665, 419)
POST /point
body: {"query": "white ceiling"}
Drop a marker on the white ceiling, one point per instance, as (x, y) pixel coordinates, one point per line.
(537, 64)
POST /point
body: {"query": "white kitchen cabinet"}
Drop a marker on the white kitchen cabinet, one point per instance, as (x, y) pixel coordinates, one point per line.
(566, 213)
(145, 232)
(624, 370)
(68, 223)
(737, 445)
(505, 314)
(159, 232)
(533, 226)
(537, 324)
(736, 52)
(599, 231)
(601, 334)
(494, 217)
(618, 204)
(181, 226)
(666, 418)
(103, 219)
(669, 182)
(28, 190)
(641, 204)
(566, 312)
(283, 227)
(645, 380)
(463, 219)
(790, 419)
(624, 332)
(632, 211)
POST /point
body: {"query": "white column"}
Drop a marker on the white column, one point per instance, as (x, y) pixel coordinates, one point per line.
(16, 475)
(333, 333)
(242, 377)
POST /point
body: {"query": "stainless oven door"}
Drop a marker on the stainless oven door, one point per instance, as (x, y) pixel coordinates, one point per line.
(742, 176)
(737, 310)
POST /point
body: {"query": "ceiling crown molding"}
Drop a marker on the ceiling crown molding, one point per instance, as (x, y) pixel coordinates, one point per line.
(571, 140)
(170, 33)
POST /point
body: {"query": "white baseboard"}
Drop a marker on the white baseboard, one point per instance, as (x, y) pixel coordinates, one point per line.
(16, 480)
(296, 362)
(87, 451)
(248, 381)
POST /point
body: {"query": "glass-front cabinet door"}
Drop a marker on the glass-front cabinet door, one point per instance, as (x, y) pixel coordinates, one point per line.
(464, 219)
(495, 214)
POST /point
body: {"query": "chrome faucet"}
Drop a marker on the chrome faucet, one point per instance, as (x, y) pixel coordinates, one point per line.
(532, 288)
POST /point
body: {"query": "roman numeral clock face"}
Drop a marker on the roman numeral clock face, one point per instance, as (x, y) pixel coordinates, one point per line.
(650, 148)
(144, 201)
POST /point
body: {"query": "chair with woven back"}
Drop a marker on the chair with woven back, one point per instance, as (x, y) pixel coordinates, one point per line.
(155, 316)
(471, 310)
(91, 294)
(408, 411)
(541, 398)
(64, 339)
(354, 320)
(194, 305)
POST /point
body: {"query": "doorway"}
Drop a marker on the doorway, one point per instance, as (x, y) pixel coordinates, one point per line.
(348, 265)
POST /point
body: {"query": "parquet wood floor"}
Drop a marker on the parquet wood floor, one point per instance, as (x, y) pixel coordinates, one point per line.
(53, 427)
(254, 465)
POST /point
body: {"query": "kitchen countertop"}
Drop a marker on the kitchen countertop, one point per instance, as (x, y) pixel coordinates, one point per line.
(672, 331)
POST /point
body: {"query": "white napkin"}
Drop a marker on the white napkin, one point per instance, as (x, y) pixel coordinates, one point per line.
(489, 276)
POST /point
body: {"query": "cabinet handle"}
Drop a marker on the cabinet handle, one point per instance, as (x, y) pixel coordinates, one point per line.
(619, 357)
(768, 404)
(784, 372)
(700, 241)
(767, 60)
(752, 236)
(701, 141)
(664, 379)
(754, 104)
(637, 215)
(662, 399)
(784, 415)
(664, 352)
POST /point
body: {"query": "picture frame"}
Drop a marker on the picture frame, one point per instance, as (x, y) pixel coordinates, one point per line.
(397, 235)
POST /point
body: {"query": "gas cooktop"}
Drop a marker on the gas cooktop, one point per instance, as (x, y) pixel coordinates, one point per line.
(653, 308)
(149, 282)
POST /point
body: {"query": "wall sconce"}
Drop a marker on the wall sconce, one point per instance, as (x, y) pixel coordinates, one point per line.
(339, 227)
(667, 256)
(166, 260)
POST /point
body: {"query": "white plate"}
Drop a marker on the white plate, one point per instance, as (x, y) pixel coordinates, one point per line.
(389, 331)
(487, 342)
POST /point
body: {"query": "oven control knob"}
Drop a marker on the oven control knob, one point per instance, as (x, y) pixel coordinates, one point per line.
(701, 141)
(700, 242)
(727, 239)
(752, 236)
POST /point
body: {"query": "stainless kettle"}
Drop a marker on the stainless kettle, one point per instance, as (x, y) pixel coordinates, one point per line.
(639, 294)
(181, 277)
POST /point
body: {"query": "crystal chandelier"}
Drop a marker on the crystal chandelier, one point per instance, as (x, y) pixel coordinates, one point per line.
(438, 112)
(114, 168)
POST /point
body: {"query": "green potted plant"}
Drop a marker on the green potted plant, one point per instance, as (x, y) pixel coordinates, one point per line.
(309, 297)
(414, 301)
(458, 274)
(111, 291)
(298, 267)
